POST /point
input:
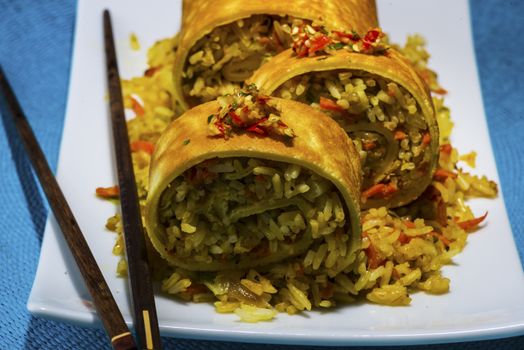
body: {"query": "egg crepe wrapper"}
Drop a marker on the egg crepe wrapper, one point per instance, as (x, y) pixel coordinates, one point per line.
(320, 146)
(200, 17)
(391, 66)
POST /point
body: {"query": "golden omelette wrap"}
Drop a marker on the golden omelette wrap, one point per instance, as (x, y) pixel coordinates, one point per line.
(223, 42)
(380, 101)
(254, 199)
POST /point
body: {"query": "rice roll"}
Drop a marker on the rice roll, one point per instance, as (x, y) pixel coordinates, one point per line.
(275, 188)
(376, 96)
(223, 42)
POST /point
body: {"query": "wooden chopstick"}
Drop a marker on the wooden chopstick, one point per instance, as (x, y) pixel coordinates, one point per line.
(105, 305)
(146, 322)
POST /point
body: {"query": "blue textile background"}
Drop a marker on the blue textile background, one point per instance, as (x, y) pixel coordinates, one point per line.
(35, 52)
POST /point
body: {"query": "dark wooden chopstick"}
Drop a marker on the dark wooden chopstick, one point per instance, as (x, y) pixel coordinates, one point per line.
(105, 305)
(146, 322)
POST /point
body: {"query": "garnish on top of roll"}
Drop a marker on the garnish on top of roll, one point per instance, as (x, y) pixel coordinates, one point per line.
(310, 40)
(247, 111)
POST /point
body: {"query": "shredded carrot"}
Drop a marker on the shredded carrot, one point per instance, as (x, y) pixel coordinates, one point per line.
(441, 237)
(473, 223)
(330, 105)
(328, 291)
(382, 190)
(440, 91)
(409, 224)
(137, 107)
(373, 190)
(400, 135)
(404, 238)
(108, 192)
(446, 149)
(151, 71)
(196, 288)
(368, 145)
(141, 145)
(426, 139)
(374, 258)
(442, 174)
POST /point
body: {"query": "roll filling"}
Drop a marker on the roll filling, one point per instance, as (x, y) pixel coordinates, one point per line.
(246, 212)
(383, 119)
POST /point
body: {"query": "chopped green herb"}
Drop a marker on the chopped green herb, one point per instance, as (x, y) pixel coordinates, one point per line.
(209, 118)
(336, 46)
(186, 142)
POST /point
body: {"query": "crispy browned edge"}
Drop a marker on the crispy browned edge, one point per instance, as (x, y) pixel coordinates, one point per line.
(200, 17)
(391, 66)
(320, 145)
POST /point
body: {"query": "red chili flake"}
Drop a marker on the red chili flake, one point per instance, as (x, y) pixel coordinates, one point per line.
(256, 128)
(220, 127)
(262, 99)
(349, 36)
(236, 119)
(319, 43)
(372, 35)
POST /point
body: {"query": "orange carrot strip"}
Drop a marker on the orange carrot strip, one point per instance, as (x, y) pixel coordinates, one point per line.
(400, 135)
(137, 107)
(404, 238)
(151, 71)
(140, 145)
(368, 145)
(409, 224)
(473, 223)
(108, 192)
(440, 91)
(443, 174)
(330, 105)
(446, 148)
(380, 189)
(374, 258)
(373, 190)
(426, 139)
(441, 237)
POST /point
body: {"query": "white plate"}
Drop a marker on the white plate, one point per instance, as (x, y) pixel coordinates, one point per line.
(487, 288)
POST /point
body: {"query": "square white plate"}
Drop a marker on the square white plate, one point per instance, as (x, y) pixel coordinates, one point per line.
(487, 288)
